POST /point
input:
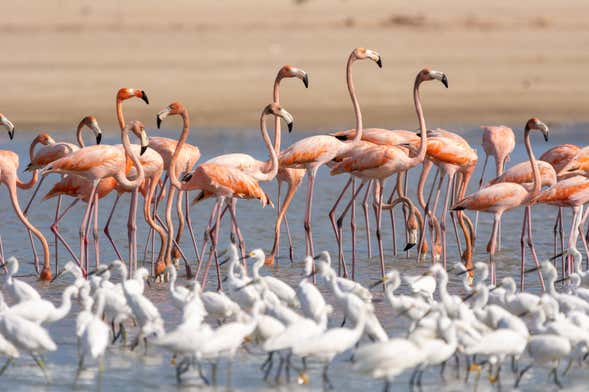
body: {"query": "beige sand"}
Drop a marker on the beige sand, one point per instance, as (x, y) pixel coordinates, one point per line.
(506, 60)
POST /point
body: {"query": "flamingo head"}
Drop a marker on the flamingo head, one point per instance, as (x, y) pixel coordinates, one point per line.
(9, 126)
(126, 93)
(535, 123)
(175, 108)
(288, 71)
(361, 54)
(45, 139)
(430, 74)
(138, 129)
(92, 124)
(276, 110)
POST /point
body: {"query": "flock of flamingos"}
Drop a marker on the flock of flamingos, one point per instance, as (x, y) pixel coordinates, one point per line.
(369, 156)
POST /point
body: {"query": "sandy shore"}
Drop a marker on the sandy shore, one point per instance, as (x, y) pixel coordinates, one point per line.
(505, 60)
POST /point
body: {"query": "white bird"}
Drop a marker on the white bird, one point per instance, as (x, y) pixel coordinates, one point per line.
(94, 339)
(282, 290)
(518, 303)
(85, 315)
(312, 302)
(422, 285)
(566, 302)
(347, 285)
(325, 346)
(42, 311)
(17, 289)
(179, 295)
(74, 270)
(237, 287)
(25, 336)
(498, 344)
(218, 304)
(386, 360)
(413, 307)
(546, 350)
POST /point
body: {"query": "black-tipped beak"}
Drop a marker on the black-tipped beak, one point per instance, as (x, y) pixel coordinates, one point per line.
(408, 246)
(143, 149)
(379, 62)
(532, 270)
(469, 296)
(98, 138)
(562, 279)
(495, 288)
(144, 97)
(557, 256)
(11, 134)
(158, 121)
(224, 261)
(311, 274)
(290, 126)
(186, 177)
(376, 284)
(253, 281)
(465, 271)
(445, 81)
(56, 276)
(306, 81)
(244, 257)
(545, 137)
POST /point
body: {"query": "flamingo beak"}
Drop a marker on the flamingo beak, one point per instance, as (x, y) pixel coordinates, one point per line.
(306, 81)
(379, 62)
(445, 80)
(144, 97)
(144, 141)
(98, 138)
(158, 121)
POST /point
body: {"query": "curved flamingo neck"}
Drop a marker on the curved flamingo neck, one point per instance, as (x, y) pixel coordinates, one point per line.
(122, 177)
(355, 102)
(120, 116)
(419, 110)
(34, 143)
(537, 180)
(79, 134)
(273, 169)
(277, 128)
(172, 169)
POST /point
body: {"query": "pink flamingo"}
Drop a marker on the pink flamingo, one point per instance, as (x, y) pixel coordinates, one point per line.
(97, 162)
(187, 158)
(499, 142)
(220, 181)
(312, 152)
(559, 157)
(523, 174)
(264, 171)
(505, 196)
(380, 161)
(51, 150)
(8, 175)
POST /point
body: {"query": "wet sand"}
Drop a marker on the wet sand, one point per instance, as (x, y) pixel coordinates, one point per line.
(505, 60)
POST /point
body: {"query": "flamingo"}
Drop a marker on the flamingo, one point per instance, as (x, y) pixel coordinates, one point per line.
(498, 198)
(380, 161)
(312, 152)
(499, 142)
(219, 180)
(8, 175)
(49, 151)
(264, 171)
(97, 162)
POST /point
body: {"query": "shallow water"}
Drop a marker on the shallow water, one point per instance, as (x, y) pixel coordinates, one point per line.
(125, 370)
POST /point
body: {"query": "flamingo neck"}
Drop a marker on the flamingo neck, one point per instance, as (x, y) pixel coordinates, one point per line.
(352, 91)
(273, 169)
(120, 116)
(277, 130)
(422, 127)
(79, 135)
(125, 183)
(537, 180)
(179, 145)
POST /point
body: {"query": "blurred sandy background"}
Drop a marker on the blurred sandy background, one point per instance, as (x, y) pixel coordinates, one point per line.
(506, 60)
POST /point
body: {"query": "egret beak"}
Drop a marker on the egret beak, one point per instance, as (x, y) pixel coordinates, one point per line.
(377, 283)
(496, 287)
(532, 269)
(465, 271)
(57, 276)
(564, 253)
(251, 282)
(561, 280)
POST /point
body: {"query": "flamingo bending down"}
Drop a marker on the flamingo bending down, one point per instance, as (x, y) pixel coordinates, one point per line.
(312, 152)
(8, 176)
(218, 180)
(498, 198)
(98, 162)
(499, 142)
(49, 151)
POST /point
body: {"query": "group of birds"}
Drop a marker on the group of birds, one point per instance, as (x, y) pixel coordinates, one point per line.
(259, 314)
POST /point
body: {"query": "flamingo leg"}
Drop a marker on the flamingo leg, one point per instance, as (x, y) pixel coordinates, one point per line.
(214, 234)
(2, 260)
(84, 225)
(426, 215)
(278, 212)
(341, 218)
(493, 246)
(533, 248)
(106, 229)
(25, 212)
(132, 231)
(476, 215)
(353, 226)
(555, 230)
(189, 225)
(337, 225)
(583, 238)
(523, 249)
(443, 220)
(233, 212)
(573, 237)
(181, 224)
(169, 223)
(292, 188)
(453, 214)
(207, 230)
(308, 228)
(378, 227)
(95, 234)
(55, 230)
(367, 220)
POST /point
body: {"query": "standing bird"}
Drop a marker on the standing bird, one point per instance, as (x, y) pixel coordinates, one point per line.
(499, 142)
(381, 161)
(95, 336)
(312, 152)
(8, 175)
(97, 162)
(498, 198)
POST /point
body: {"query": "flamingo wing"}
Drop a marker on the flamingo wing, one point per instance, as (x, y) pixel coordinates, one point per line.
(498, 197)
